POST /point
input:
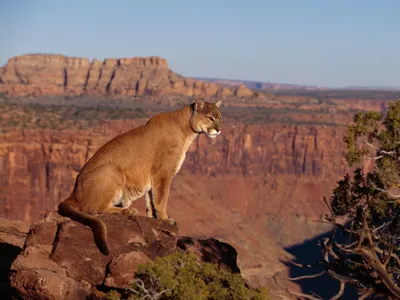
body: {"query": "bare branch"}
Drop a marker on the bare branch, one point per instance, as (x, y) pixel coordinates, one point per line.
(376, 265)
(361, 238)
(374, 158)
(344, 249)
(348, 246)
(368, 233)
(343, 227)
(380, 151)
(294, 293)
(306, 276)
(391, 254)
(366, 294)
(305, 265)
(150, 293)
(390, 153)
(364, 140)
(328, 250)
(340, 292)
(387, 192)
(342, 278)
(386, 255)
(380, 227)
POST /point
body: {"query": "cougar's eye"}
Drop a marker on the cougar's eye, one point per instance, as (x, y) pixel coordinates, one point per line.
(211, 118)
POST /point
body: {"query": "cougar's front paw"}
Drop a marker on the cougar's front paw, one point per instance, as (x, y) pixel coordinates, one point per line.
(171, 221)
(131, 212)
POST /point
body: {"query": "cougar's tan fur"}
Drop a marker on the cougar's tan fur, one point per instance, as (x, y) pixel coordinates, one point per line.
(142, 161)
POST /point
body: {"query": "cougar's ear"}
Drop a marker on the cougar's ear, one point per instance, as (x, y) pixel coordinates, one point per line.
(218, 103)
(199, 104)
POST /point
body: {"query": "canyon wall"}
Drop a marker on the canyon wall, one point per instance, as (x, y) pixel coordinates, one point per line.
(38, 168)
(37, 74)
(251, 183)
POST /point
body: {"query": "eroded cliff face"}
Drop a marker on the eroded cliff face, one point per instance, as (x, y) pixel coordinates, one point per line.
(262, 150)
(38, 168)
(35, 75)
(253, 181)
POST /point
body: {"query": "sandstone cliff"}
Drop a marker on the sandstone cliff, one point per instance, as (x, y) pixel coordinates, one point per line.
(34, 75)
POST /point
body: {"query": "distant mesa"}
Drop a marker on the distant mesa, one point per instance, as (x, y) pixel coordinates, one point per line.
(261, 86)
(54, 74)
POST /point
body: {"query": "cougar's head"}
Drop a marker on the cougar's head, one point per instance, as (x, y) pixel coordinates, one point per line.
(206, 118)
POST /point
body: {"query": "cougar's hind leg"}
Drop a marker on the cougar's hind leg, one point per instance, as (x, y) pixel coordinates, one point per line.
(100, 189)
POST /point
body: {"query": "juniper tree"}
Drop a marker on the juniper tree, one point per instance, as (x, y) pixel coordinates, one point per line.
(364, 246)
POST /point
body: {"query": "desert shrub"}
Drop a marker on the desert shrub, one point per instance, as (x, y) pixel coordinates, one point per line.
(181, 276)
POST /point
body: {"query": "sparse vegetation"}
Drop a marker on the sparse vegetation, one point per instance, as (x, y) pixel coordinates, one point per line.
(72, 116)
(65, 117)
(181, 276)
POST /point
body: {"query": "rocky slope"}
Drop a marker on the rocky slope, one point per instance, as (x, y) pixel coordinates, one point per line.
(58, 258)
(61, 75)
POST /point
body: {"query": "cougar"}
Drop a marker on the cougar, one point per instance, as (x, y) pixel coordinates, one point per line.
(142, 161)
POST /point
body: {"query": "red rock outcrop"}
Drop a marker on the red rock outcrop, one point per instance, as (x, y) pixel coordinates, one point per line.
(61, 261)
(37, 74)
(243, 91)
(62, 253)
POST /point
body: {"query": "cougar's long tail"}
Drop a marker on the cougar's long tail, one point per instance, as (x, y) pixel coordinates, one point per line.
(69, 209)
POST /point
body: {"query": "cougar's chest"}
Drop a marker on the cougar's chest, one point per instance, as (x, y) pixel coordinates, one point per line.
(182, 153)
(180, 161)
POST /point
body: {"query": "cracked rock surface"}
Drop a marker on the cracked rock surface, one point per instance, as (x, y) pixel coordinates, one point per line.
(60, 260)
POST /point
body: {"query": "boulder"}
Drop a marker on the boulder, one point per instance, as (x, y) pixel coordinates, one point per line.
(61, 261)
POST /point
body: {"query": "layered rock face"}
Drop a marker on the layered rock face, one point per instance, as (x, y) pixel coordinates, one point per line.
(61, 75)
(38, 168)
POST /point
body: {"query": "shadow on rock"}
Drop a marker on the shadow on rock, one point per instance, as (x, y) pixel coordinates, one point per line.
(212, 251)
(8, 254)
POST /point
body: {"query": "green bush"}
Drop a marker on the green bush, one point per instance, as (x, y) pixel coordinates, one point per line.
(181, 276)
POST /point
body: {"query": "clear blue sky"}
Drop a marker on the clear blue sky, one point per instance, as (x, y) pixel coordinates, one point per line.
(321, 42)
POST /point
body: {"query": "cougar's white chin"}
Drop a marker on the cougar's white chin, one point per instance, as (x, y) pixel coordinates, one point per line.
(213, 134)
